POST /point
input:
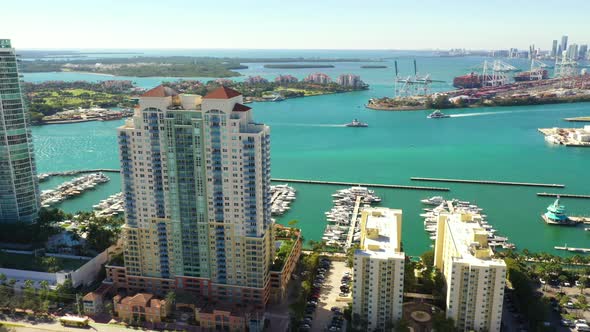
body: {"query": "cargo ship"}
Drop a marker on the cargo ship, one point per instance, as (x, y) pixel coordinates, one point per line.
(531, 75)
(469, 81)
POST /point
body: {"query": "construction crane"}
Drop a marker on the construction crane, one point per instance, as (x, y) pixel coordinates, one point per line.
(412, 85)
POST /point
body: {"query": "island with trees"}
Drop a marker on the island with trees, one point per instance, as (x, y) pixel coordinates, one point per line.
(169, 66)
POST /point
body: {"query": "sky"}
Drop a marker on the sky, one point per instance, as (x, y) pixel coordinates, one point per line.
(301, 24)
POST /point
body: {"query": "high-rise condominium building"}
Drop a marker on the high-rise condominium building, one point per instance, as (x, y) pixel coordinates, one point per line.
(563, 43)
(475, 281)
(583, 52)
(554, 48)
(196, 178)
(572, 52)
(378, 277)
(19, 188)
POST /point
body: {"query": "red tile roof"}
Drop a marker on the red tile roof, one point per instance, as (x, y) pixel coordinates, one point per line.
(160, 91)
(222, 93)
(241, 108)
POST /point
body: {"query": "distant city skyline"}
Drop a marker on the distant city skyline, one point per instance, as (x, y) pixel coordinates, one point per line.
(307, 24)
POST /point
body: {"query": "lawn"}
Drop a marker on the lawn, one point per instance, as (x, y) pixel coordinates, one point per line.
(40, 264)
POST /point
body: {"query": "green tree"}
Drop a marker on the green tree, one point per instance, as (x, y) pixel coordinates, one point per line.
(402, 326)
(2, 278)
(170, 300)
(582, 283)
(440, 323)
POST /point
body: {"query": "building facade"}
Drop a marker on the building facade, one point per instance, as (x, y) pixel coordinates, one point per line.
(19, 187)
(196, 179)
(475, 281)
(378, 277)
(140, 308)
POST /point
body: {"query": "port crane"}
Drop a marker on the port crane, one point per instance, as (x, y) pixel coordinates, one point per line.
(494, 73)
(537, 69)
(412, 85)
(566, 69)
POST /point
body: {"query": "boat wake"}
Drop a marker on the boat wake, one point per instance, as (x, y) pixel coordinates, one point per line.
(479, 114)
(307, 125)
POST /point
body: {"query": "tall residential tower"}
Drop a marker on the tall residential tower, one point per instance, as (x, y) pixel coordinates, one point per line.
(377, 293)
(196, 179)
(475, 280)
(19, 188)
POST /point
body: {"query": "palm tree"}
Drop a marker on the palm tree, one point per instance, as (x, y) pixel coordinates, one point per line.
(2, 278)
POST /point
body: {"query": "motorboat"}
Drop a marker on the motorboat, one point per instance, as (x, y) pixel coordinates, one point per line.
(437, 114)
(357, 124)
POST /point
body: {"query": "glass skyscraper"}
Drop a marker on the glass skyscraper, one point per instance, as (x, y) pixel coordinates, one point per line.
(19, 189)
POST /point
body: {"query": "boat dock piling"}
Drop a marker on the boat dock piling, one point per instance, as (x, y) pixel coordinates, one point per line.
(353, 220)
(563, 195)
(505, 183)
(374, 185)
(571, 249)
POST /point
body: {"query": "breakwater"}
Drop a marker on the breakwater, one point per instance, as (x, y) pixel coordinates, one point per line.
(374, 185)
(503, 183)
(563, 195)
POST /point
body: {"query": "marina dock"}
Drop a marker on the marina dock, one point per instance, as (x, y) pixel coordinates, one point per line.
(374, 185)
(563, 195)
(572, 249)
(504, 183)
(353, 220)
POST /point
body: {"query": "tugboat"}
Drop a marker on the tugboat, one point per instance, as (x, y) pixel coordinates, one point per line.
(437, 114)
(555, 215)
(357, 123)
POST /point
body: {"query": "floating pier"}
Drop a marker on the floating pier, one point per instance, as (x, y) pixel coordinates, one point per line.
(563, 195)
(374, 185)
(45, 176)
(503, 183)
(353, 220)
(572, 249)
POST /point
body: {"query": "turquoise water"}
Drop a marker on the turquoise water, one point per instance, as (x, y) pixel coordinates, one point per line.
(309, 141)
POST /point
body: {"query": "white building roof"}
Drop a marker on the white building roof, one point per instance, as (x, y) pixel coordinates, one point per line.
(380, 237)
(461, 233)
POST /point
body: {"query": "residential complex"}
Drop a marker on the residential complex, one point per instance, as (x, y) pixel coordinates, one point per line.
(319, 78)
(196, 178)
(379, 268)
(350, 80)
(19, 188)
(475, 281)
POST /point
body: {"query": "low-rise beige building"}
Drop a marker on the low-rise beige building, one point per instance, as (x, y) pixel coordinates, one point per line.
(475, 280)
(378, 277)
(141, 307)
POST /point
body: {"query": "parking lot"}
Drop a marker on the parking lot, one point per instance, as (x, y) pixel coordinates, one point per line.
(325, 305)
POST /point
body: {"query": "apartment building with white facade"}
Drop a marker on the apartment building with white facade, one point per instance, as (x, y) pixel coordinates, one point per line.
(378, 277)
(475, 280)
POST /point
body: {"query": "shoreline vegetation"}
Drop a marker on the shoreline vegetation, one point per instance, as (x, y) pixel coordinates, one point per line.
(373, 66)
(58, 102)
(171, 66)
(259, 89)
(297, 66)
